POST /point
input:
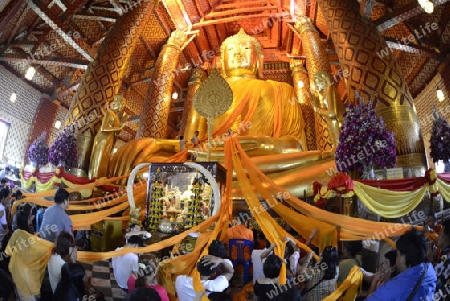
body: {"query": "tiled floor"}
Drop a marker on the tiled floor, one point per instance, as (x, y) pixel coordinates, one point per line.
(102, 278)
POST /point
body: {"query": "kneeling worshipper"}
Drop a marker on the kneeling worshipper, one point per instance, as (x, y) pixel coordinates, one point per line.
(209, 268)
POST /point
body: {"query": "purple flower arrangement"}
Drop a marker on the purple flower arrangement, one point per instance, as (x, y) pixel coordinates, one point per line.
(38, 151)
(440, 138)
(64, 148)
(364, 140)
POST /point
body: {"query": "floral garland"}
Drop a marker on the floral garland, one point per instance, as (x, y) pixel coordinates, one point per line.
(38, 151)
(156, 203)
(440, 138)
(64, 148)
(195, 216)
(364, 140)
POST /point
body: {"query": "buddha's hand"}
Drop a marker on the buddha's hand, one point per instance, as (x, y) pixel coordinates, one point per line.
(180, 38)
(302, 23)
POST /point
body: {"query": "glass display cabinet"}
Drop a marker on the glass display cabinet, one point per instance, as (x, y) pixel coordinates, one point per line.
(180, 196)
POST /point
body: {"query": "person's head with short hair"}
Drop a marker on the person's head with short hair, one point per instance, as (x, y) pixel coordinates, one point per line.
(3, 181)
(330, 257)
(135, 241)
(431, 220)
(218, 249)
(18, 195)
(62, 198)
(181, 137)
(219, 296)
(147, 274)
(205, 270)
(272, 266)
(411, 250)
(197, 133)
(351, 248)
(82, 244)
(144, 294)
(389, 262)
(64, 245)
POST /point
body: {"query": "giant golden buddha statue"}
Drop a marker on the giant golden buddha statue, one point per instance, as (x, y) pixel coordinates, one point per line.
(265, 116)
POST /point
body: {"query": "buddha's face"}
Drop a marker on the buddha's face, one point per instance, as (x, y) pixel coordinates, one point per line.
(117, 104)
(240, 58)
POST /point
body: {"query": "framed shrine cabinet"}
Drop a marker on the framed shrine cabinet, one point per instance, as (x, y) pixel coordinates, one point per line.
(180, 197)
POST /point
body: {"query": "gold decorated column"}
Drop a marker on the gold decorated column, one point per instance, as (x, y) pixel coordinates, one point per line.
(301, 86)
(377, 78)
(155, 111)
(316, 60)
(104, 75)
(192, 121)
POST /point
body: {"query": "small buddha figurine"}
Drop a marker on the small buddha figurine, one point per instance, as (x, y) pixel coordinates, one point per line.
(113, 122)
(326, 102)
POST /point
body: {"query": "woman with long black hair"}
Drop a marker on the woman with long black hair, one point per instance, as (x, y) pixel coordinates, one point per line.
(71, 287)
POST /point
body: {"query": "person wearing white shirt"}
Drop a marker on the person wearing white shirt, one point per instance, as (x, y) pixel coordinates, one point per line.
(64, 251)
(3, 222)
(208, 267)
(126, 264)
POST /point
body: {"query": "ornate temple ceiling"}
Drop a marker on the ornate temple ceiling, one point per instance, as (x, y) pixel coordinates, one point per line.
(59, 38)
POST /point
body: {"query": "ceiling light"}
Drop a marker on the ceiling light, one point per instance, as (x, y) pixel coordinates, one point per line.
(13, 97)
(175, 95)
(57, 124)
(300, 84)
(30, 73)
(426, 5)
(440, 95)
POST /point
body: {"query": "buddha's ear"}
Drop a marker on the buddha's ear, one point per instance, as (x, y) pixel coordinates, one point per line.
(259, 66)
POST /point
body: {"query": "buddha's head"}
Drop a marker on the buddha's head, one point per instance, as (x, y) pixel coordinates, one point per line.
(241, 56)
(118, 104)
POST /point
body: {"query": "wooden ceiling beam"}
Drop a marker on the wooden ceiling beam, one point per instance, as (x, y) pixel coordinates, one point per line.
(95, 18)
(411, 48)
(49, 61)
(241, 4)
(239, 11)
(238, 18)
(9, 12)
(57, 25)
(402, 14)
(19, 22)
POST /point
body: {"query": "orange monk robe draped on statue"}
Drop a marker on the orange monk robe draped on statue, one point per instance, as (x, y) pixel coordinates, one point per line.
(276, 113)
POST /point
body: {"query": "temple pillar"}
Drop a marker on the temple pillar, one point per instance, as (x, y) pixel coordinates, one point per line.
(301, 86)
(374, 73)
(316, 60)
(103, 76)
(155, 111)
(191, 120)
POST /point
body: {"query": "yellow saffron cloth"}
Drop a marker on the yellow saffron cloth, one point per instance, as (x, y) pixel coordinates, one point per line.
(29, 256)
(390, 204)
(350, 287)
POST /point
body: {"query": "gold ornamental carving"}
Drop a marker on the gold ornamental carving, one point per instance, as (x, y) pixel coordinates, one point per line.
(104, 75)
(377, 78)
(155, 111)
(301, 86)
(212, 99)
(191, 120)
(316, 60)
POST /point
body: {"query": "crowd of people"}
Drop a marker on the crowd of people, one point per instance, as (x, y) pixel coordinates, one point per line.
(417, 269)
